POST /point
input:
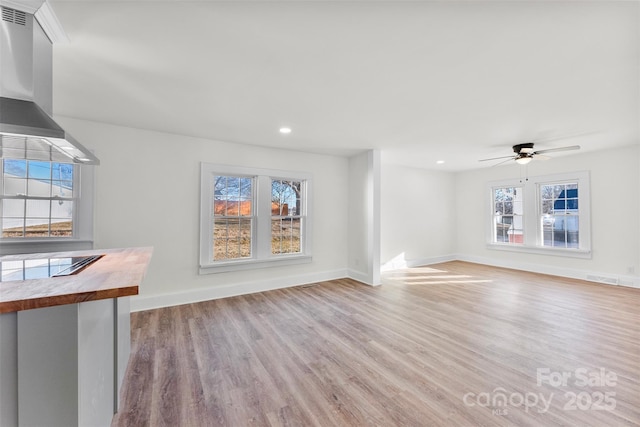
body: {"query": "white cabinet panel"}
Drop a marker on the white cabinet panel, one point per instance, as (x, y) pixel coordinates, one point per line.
(66, 365)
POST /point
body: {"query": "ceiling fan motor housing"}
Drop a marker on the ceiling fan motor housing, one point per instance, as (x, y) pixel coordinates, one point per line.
(525, 148)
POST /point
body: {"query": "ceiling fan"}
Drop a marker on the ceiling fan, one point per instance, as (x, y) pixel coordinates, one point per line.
(525, 153)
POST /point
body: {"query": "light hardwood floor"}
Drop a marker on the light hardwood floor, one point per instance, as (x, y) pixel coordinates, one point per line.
(433, 346)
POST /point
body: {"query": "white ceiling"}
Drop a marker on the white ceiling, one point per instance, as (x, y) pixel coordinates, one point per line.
(421, 81)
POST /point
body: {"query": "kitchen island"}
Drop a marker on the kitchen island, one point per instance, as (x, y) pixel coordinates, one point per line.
(65, 341)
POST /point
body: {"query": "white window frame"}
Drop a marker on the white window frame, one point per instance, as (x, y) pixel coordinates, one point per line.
(532, 226)
(82, 235)
(515, 184)
(261, 255)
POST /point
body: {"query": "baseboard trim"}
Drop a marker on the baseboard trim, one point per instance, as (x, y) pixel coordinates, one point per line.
(360, 277)
(142, 302)
(590, 276)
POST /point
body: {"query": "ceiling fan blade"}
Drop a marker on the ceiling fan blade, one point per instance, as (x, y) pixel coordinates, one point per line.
(568, 135)
(504, 161)
(550, 150)
(496, 158)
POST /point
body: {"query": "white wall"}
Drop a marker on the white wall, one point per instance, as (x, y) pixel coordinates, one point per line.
(418, 216)
(147, 194)
(615, 231)
(364, 217)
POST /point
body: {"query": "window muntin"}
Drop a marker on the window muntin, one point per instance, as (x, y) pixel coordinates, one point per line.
(232, 217)
(286, 216)
(559, 215)
(37, 199)
(508, 215)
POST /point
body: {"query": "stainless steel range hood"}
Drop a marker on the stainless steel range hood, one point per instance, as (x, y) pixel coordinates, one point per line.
(26, 127)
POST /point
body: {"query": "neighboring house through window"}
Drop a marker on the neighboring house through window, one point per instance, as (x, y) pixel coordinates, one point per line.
(542, 214)
(45, 206)
(253, 218)
(508, 211)
(560, 216)
(38, 199)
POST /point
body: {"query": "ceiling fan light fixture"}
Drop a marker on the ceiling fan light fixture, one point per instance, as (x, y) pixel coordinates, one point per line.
(523, 160)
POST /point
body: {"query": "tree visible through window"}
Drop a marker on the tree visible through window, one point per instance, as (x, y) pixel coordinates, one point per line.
(286, 204)
(232, 217)
(253, 218)
(37, 199)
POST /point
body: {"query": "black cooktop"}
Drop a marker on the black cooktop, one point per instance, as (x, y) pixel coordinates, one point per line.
(44, 267)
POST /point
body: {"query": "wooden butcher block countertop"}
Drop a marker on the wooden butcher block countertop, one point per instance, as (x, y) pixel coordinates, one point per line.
(117, 274)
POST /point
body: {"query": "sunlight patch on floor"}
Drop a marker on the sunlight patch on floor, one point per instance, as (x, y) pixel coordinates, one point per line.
(441, 282)
(429, 276)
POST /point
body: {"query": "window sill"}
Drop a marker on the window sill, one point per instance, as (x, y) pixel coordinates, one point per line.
(569, 253)
(251, 264)
(23, 245)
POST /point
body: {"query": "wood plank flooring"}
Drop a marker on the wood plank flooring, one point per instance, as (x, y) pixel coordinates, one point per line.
(453, 344)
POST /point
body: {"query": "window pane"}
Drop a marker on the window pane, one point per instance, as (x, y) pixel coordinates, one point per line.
(12, 227)
(36, 217)
(231, 238)
(508, 215)
(12, 208)
(285, 236)
(286, 207)
(62, 172)
(233, 196)
(245, 188)
(62, 209)
(38, 209)
(17, 168)
(285, 197)
(62, 189)
(560, 220)
(38, 188)
(39, 170)
(61, 227)
(12, 218)
(36, 227)
(502, 232)
(15, 186)
(564, 232)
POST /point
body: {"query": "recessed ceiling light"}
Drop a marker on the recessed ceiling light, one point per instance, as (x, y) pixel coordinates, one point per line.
(440, 162)
(285, 130)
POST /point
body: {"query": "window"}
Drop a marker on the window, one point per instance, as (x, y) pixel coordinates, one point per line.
(508, 215)
(253, 218)
(232, 217)
(559, 215)
(547, 214)
(38, 199)
(286, 218)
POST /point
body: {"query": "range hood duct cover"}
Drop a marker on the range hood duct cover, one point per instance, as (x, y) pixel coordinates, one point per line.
(26, 127)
